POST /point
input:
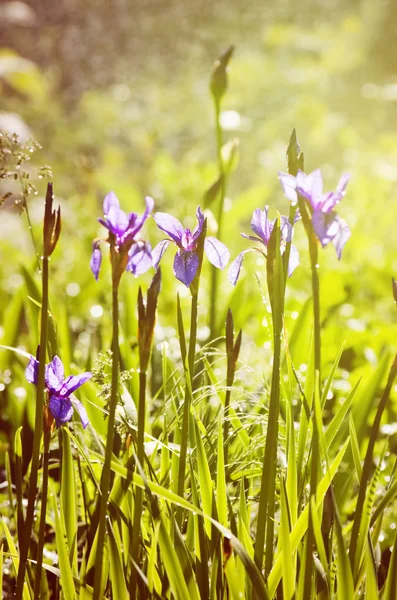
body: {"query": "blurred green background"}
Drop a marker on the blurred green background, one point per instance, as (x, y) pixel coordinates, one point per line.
(117, 95)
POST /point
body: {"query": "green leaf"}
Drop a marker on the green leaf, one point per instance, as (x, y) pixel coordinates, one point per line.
(27, 594)
(221, 500)
(68, 587)
(68, 498)
(116, 572)
(288, 561)
(205, 478)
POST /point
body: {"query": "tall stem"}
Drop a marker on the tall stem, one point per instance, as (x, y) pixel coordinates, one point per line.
(37, 583)
(138, 491)
(106, 473)
(188, 398)
(214, 270)
(38, 429)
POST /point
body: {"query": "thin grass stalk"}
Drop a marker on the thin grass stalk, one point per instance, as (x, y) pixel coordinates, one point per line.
(188, 394)
(367, 467)
(43, 513)
(138, 491)
(38, 428)
(106, 473)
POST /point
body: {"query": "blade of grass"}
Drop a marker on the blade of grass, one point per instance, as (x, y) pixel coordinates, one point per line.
(68, 498)
(68, 588)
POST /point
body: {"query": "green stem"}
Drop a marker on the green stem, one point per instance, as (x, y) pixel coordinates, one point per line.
(106, 473)
(188, 398)
(25, 541)
(138, 491)
(214, 270)
(39, 564)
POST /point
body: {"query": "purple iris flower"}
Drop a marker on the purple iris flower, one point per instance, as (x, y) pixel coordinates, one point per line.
(123, 229)
(262, 226)
(60, 390)
(186, 260)
(327, 225)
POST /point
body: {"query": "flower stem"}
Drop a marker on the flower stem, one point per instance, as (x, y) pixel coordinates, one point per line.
(138, 491)
(214, 270)
(38, 429)
(188, 397)
(106, 473)
(39, 564)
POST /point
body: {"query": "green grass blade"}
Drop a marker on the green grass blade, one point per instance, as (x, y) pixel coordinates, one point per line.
(288, 561)
(331, 376)
(204, 478)
(221, 499)
(68, 588)
(68, 498)
(27, 594)
(339, 418)
(371, 584)
(391, 581)
(355, 448)
(300, 527)
(116, 572)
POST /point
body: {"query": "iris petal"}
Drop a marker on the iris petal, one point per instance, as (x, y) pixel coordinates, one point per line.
(185, 266)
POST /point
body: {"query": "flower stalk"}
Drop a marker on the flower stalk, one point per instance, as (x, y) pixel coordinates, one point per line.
(51, 232)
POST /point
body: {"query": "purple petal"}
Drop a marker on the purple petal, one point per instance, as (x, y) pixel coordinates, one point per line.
(109, 202)
(52, 372)
(216, 252)
(57, 367)
(118, 221)
(286, 229)
(96, 259)
(73, 382)
(253, 238)
(32, 370)
(185, 266)
(158, 251)
(235, 267)
(200, 219)
(288, 183)
(310, 187)
(343, 181)
(81, 410)
(170, 225)
(293, 260)
(138, 223)
(61, 409)
(341, 237)
(256, 223)
(326, 226)
(140, 258)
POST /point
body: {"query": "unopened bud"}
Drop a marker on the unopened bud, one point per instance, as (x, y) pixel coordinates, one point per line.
(52, 223)
(218, 82)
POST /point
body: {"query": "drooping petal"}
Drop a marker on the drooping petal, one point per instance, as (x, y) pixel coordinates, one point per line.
(61, 409)
(109, 202)
(96, 259)
(288, 183)
(326, 226)
(217, 253)
(170, 225)
(81, 410)
(158, 251)
(293, 260)
(341, 237)
(199, 227)
(235, 267)
(140, 258)
(32, 370)
(139, 221)
(185, 266)
(73, 382)
(118, 221)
